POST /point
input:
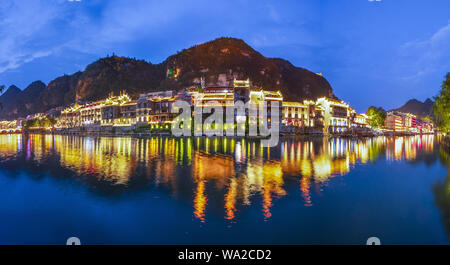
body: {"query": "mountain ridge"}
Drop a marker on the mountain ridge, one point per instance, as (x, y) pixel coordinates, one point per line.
(218, 61)
(414, 106)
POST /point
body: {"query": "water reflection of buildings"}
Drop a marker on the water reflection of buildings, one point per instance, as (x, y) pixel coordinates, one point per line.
(400, 148)
(240, 170)
(10, 144)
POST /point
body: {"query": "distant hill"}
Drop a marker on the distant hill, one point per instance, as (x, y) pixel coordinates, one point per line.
(421, 109)
(19, 103)
(217, 61)
(223, 59)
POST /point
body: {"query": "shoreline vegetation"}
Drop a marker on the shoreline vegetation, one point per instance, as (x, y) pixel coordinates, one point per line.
(446, 143)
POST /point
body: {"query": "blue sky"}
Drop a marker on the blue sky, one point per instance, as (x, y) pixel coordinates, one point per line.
(372, 53)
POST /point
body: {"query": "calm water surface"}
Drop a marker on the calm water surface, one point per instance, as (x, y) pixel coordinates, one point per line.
(226, 191)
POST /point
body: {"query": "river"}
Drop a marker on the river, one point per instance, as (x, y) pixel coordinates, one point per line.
(163, 190)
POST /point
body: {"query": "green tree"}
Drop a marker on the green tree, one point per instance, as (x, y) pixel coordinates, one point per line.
(33, 123)
(441, 107)
(376, 116)
(29, 123)
(47, 122)
(427, 119)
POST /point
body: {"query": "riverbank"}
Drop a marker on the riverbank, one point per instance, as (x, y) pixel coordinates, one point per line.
(167, 133)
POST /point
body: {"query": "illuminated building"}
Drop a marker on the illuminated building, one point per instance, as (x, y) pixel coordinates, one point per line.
(91, 114)
(414, 121)
(155, 107)
(227, 96)
(360, 120)
(118, 110)
(325, 115)
(173, 73)
(219, 95)
(241, 89)
(267, 98)
(222, 95)
(409, 121)
(335, 113)
(394, 122)
(186, 95)
(424, 127)
(112, 111)
(70, 117)
(127, 116)
(35, 116)
(299, 114)
(401, 122)
(14, 126)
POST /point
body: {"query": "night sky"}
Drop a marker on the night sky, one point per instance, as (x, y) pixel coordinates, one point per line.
(372, 53)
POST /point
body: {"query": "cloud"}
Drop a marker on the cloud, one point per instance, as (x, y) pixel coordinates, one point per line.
(31, 29)
(24, 32)
(423, 57)
(18, 59)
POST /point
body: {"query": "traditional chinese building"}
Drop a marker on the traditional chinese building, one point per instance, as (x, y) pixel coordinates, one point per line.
(299, 114)
(336, 114)
(127, 114)
(70, 117)
(155, 107)
(360, 120)
(222, 97)
(228, 96)
(91, 113)
(13, 126)
(269, 99)
(112, 111)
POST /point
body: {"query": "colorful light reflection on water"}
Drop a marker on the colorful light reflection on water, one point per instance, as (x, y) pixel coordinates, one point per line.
(223, 178)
